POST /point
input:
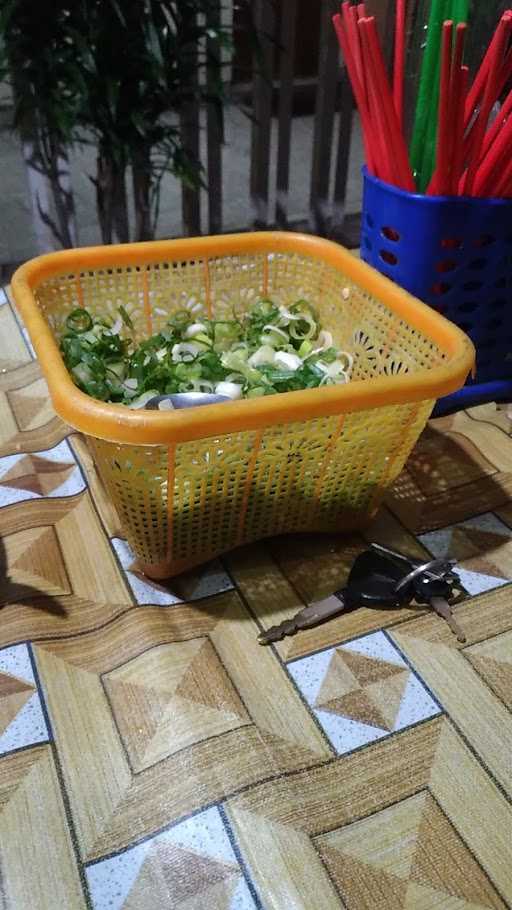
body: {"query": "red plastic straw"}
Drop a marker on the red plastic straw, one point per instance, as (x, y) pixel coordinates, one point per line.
(506, 74)
(378, 75)
(454, 116)
(457, 99)
(491, 93)
(444, 133)
(499, 122)
(359, 94)
(477, 89)
(461, 91)
(384, 161)
(399, 62)
(349, 13)
(385, 165)
(503, 186)
(490, 169)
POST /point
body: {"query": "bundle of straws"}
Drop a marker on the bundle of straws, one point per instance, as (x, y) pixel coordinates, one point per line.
(457, 147)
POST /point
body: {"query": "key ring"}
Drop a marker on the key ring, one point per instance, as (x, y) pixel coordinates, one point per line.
(426, 568)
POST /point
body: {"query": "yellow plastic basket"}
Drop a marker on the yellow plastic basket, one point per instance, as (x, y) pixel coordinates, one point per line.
(192, 484)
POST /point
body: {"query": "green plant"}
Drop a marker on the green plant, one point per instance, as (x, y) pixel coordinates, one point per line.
(38, 56)
(126, 75)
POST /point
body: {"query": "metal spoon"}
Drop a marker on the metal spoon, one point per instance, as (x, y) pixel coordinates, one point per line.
(183, 400)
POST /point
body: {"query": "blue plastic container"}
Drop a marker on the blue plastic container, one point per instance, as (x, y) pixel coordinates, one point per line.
(456, 255)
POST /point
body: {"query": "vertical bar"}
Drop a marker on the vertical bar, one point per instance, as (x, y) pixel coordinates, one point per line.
(323, 129)
(262, 110)
(79, 291)
(207, 289)
(286, 71)
(171, 473)
(214, 122)
(190, 203)
(264, 289)
(343, 154)
(256, 444)
(189, 124)
(147, 303)
(387, 33)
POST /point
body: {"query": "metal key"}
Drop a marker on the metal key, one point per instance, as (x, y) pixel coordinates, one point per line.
(304, 619)
(380, 577)
(443, 609)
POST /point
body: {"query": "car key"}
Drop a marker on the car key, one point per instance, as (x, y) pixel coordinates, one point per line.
(379, 577)
(366, 582)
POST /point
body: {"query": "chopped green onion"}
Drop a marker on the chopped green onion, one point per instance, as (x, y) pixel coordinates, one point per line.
(125, 316)
(79, 321)
(270, 349)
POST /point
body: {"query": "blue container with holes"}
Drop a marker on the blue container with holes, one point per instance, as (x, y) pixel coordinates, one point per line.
(455, 253)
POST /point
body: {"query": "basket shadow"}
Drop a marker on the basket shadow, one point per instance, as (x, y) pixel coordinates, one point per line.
(12, 592)
(448, 479)
(254, 566)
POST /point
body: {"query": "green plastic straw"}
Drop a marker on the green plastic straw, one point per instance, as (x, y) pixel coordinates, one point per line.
(460, 11)
(425, 153)
(429, 68)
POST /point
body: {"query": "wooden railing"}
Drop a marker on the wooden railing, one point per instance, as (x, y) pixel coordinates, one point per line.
(325, 192)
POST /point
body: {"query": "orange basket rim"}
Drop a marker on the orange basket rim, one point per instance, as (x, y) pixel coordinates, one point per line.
(119, 423)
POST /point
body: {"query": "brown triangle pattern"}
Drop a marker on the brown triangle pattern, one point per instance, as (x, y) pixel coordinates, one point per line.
(358, 706)
(31, 405)
(41, 564)
(14, 693)
(467, 542)
(338, 681)
(443, 862)
(15, 767)
(479, 550)
(362, 886)
(11, 684)
(138, 709)
(368, 669)
(498, 649)
(10, 706)
(420, 897)
(498, 675)
(387, 695)
(37, 475)
(28, 411)
(363, 688)
(386, 840)
(172, 876)
(168, 713)
(207, 683)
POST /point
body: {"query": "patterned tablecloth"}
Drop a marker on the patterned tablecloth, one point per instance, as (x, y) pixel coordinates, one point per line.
(153, 755)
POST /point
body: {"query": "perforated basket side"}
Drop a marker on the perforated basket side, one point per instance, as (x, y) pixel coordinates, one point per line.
(326, 474)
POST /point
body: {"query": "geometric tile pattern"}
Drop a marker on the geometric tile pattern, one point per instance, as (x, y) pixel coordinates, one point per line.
(153, 754)
(482, 547)
(22, 721)
(407, 855)
(403, 841)
(52, 473)
(190, 865)
(362, 691)
(172, 697)
(168, 689)
(27, 421)
(493, 662)
(30, 405)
